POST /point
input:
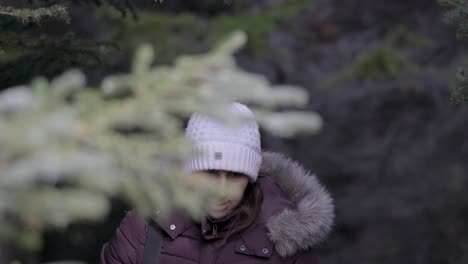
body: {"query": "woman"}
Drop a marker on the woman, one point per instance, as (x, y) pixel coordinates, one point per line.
(275, 212)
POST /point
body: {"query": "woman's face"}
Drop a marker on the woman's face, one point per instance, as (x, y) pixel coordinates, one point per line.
(235, 183)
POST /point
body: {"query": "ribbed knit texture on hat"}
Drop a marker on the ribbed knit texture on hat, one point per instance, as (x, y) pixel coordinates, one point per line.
(220, 147)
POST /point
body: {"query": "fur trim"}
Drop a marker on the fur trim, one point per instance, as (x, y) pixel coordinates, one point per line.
(311, 220)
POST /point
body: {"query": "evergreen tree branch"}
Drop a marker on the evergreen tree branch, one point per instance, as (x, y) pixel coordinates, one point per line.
(27, 15)
(121, 5)
(459, 15)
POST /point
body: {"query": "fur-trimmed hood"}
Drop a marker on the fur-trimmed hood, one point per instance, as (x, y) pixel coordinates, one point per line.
(306, 218)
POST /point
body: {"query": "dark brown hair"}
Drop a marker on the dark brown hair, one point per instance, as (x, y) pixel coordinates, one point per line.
(248, 212)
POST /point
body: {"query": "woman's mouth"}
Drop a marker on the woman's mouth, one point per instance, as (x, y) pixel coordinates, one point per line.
(224, 203)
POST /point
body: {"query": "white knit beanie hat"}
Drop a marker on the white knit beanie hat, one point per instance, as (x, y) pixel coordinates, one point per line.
(220, 147)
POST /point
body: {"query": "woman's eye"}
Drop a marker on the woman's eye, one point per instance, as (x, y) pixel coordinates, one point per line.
(212, 172)
(230, 174)
(235, 174)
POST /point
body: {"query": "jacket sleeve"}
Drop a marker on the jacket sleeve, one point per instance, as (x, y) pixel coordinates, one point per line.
(127, 244)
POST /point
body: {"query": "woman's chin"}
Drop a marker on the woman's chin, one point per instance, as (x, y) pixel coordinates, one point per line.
(216, 215)
(219, 212)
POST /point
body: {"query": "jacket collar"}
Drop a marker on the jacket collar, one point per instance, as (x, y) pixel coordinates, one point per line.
(216, 228)
(175, 223)
(255, 242)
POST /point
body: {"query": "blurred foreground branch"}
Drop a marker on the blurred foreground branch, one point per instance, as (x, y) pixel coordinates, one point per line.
(67, 149)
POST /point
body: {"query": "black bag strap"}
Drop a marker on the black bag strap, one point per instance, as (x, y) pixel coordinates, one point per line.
(152, 244)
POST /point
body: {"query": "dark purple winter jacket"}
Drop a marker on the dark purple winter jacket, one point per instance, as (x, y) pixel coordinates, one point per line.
(296, 214)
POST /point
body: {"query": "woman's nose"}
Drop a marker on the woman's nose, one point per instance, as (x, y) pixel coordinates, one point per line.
(222, 178)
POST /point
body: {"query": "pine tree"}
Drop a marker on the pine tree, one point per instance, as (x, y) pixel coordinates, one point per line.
(458, 14)
(68, 149)
(27, 49)
(29, 15)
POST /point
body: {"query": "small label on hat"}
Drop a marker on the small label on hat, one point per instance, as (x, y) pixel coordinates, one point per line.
(218, 155)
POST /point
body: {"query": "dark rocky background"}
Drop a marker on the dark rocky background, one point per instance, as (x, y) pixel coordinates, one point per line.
(394, 148)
